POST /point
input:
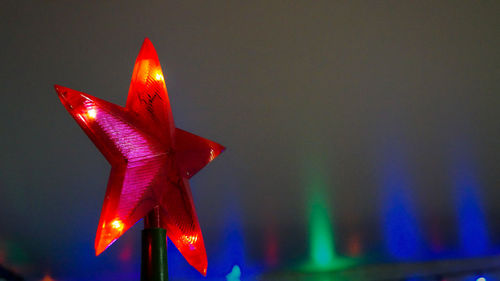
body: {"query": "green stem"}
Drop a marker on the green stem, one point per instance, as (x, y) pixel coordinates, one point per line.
(154, 266)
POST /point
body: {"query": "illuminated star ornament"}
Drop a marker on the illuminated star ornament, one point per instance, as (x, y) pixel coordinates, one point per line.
(151, 160)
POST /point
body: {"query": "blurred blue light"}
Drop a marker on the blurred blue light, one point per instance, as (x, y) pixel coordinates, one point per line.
(471, 218)
(400, 225)
(232, 246)
(481, 279)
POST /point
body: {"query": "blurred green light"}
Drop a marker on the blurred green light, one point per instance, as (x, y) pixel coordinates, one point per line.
(321, 234)
(323, 254)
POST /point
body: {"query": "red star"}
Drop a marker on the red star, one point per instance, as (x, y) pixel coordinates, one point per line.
(151, 160)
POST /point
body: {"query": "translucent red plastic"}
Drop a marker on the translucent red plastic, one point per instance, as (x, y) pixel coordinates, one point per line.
(151, 160)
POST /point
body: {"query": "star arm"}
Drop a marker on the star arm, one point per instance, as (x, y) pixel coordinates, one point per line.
(129, 197)
(148, 98)
(181, 222)
(137, 161)
(194, 152)
(110, 127)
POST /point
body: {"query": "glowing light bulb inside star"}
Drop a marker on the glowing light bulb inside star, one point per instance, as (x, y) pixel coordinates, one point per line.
(91, 113)
(117, 224)
(159, 77)
(151, 160)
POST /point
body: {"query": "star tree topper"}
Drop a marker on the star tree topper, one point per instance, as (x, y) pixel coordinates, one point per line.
(151, 160)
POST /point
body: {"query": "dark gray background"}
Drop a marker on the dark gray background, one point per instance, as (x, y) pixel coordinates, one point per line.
(344, 87)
